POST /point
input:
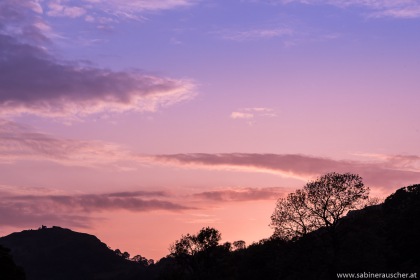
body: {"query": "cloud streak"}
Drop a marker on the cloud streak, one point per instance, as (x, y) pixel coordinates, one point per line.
(117, 9)
(56, 8)
(241, 194)
(250, 114)
(257, 34)
(77, 210)
(379, 8)
(389, 174)
(19, 142)
(143, 5)
(17, 216)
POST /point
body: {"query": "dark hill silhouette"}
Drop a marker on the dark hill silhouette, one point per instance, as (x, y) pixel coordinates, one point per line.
(58, 253)
(382, 238)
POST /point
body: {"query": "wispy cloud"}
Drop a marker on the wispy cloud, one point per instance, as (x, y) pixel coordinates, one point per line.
(78, 210)
(389, 174)
(58, 9)
(399, 12)
(18, 215)
(97, 202)
(250, 114)
(241, 115)
(377, 8)
(241, 194)
(31, 207)
(116, 9)
(256, 34)
(19, 142)
(141, 5)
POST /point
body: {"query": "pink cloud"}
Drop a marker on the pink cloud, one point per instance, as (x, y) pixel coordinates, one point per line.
(389, 174)
(379, 8)
(241, 194)
(23, 143)
(241, 115)
(118, 9)
(141, 5)
(57, 9)
(15, 215)
(77, 210)
(20, 142)
(252, 113)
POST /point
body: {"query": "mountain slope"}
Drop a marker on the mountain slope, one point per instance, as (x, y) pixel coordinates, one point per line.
(57, 253)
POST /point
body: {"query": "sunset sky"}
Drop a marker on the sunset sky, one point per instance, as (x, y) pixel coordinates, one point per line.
(142, 120)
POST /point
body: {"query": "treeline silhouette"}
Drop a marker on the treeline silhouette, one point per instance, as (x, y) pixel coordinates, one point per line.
(377, 238)
(374, 238)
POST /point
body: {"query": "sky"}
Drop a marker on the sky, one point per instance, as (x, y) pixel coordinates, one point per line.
(139, 121)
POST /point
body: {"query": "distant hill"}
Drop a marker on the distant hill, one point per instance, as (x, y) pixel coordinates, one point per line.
(384, 238)
(61, 254)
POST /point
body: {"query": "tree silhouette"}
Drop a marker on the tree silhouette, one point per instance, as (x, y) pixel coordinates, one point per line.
(142, 260)
(125, 255)
(192, 244)
(194, 255)
(321, 203)
(239, 245)
(118, 252)
(207, 238)
(292, 216)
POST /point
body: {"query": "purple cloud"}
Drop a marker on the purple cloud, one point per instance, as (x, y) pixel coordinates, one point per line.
(22, 143)
(22, 19)
(133, 201)
(243, 194)
(121, 8)
(379, 8)
(35, 82)
(14, 215)
(393, 172)
(76, 210)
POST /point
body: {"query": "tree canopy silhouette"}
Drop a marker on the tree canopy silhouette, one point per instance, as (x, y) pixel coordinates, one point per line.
(192, 244)
(321, 203)
(239, 245)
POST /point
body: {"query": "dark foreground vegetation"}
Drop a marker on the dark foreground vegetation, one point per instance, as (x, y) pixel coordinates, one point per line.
(8, 269)
(381, 238)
